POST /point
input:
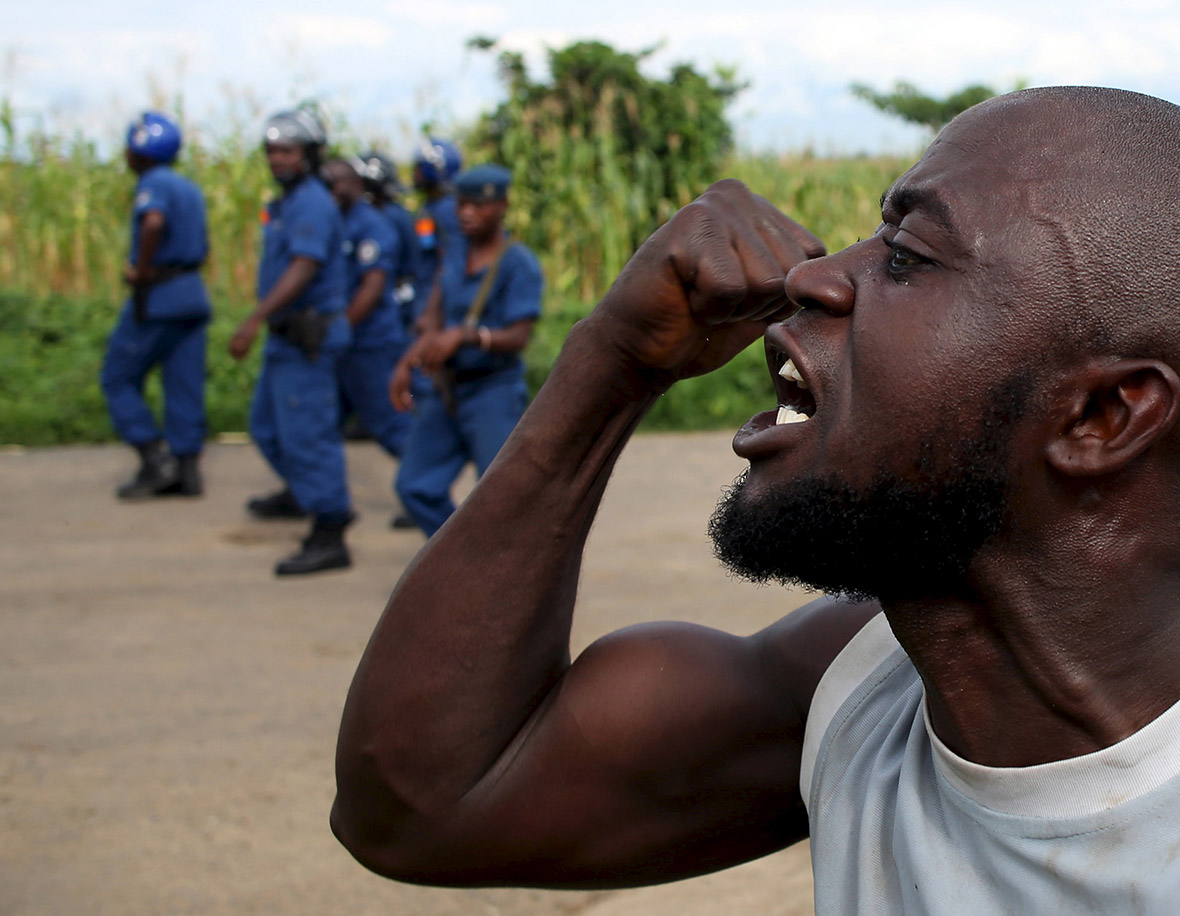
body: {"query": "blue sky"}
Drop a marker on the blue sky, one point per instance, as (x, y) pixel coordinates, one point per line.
(388, 66)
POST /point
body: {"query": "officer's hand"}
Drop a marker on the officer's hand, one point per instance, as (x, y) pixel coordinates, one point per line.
(243, 339)
(130, 274)
(399, 385)
(704, 286)
(436, 347)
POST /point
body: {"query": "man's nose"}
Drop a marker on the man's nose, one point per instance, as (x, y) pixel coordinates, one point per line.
(821, 283)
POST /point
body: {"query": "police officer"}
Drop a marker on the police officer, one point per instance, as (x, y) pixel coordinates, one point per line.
(436, 163)
(302, 280)
(384, 192)
(164, 320)
(479, 319)
(371, 250)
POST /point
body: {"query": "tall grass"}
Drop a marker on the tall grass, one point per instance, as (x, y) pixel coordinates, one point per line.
(64, 237)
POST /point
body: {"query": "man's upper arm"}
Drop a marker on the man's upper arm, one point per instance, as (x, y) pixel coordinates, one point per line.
(311, 227)
(666, 750)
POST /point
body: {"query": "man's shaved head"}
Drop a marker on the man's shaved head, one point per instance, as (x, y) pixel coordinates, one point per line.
(1098, 172)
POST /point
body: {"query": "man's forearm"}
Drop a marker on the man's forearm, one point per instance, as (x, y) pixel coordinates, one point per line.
(478, 629)
(366, 297)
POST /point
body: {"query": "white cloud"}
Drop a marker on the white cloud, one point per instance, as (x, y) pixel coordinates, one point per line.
(334, 32)
(449, 14)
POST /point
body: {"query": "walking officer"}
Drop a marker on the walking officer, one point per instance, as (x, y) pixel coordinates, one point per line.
(371, 251)
(436, 163)
(384, 192)
(480, 317)
(163, 321)
(294, 418)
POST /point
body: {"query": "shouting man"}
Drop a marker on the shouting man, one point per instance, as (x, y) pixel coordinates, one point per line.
(975, 452)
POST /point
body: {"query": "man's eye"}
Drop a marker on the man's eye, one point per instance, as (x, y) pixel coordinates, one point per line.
(901, 261)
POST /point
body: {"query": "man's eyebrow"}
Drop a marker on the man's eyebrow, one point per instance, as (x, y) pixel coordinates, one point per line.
(906, 200)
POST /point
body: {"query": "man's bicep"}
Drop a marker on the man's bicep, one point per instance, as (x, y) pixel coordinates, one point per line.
(665, 751)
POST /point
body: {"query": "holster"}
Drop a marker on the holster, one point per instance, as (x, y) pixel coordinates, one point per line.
(304, 328)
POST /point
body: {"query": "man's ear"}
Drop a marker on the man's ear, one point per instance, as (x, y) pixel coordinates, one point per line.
(1115, 412)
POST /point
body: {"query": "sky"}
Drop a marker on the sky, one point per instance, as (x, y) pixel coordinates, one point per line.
(387, 67)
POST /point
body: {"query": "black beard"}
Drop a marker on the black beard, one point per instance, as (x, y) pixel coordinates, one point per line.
(893, 540)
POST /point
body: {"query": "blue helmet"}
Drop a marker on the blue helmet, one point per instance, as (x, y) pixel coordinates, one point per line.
(438, 160)
(154, 136)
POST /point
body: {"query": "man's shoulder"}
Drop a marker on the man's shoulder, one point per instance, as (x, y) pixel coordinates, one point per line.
(445, 212)
(804, 644)
(518, 256)
(369, 223)
(311, 201)
(312, 192)
(156, 187)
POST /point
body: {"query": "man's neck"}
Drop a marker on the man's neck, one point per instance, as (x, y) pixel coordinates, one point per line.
(1036, 666)
(482, 251)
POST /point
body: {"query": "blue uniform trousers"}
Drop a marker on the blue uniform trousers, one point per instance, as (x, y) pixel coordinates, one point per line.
(364, 386)
(177, 345)
(295, 422)
(439, 443)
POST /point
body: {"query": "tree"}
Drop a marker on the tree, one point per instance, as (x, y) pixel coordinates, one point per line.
(602, 154)
(907, 103)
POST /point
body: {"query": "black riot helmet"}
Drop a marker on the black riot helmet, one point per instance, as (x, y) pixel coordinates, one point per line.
(297, 127)
(379, 175)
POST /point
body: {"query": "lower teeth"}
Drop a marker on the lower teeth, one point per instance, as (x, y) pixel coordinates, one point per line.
(789, 415)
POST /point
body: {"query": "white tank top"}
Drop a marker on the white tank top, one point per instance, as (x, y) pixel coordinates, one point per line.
(901, 825)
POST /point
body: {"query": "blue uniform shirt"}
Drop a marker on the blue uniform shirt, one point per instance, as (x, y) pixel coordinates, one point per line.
(185, 242)
(406, 273)
(515, 296)
(407, 237)
(305, 222)
(371, 244)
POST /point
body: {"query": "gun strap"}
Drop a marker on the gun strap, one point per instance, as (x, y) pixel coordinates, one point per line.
(475, 310)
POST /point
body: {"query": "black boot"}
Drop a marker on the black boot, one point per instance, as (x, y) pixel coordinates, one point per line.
(323, 548)
(277, 505)
(188, 478)
(157, 472)
(403, 521)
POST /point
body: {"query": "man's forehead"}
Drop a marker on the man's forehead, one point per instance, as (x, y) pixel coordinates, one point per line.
(968, 176)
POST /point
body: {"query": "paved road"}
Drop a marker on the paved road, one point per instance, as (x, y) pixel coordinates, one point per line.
(168, 708)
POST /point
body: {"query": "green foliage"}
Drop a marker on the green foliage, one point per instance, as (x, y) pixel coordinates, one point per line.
(602, 154)
(52, 349)
(907, 103)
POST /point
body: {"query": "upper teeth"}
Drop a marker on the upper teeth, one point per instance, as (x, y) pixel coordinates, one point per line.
(790, 415)
(790, 372)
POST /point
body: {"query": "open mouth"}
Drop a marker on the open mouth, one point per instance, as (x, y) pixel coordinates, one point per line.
(796, 403)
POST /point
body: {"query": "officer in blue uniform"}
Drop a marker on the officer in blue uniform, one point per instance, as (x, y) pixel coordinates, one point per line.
(436, 163)
(479, 319)
(372, 252)
(384, 192)
(164, 320)
(302, 281)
